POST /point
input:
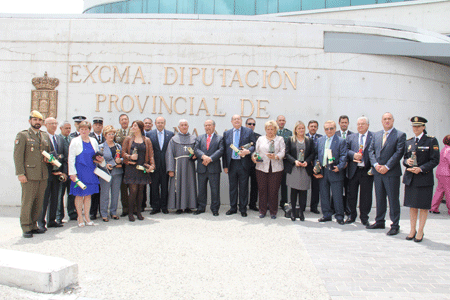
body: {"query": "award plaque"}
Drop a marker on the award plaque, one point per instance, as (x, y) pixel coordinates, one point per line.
(247, 146)
(135, 151)
(414, 158)
(191, 151)
(258, 158)
(317, 168)
(272, 147)
(301, 155)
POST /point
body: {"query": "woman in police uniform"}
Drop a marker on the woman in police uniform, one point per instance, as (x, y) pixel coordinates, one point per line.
(420, 158)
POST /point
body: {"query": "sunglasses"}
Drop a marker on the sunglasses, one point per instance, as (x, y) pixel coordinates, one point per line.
(251, 124)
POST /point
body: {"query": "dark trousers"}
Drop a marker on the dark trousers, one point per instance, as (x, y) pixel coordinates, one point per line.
(238, 183)
(387, 186)
(214, 185)
(71, 210)
(345, 196)
(253, 188)
(95, 204)
(124, 197)
(301, 195)
(365, 184)
(159, 190)
(315, 189)
(283, 188)
(64, 189)
(325, 196)
(50, 203)
(268, 186)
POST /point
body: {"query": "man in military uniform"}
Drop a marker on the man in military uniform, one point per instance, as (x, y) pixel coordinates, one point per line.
(76, 121)
(97, 134)
(285, 133)
(32, 172)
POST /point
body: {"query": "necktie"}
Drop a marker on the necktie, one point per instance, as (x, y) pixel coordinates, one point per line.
(417, 140)
(327, 146)
(160, 140)
(208, 141)
(384, 137)
(237, 136)
(343, 135)
(361, 140)
(55, 144)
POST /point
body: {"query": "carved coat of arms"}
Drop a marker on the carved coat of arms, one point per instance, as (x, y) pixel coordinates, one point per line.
(45, 98)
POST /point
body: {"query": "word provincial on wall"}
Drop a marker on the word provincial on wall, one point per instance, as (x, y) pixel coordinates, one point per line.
(124, 88)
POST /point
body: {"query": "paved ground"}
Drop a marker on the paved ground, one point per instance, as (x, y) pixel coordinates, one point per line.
(203, 257)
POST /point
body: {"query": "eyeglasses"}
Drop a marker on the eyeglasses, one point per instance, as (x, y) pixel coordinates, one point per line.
(329, 129)
(251, 124)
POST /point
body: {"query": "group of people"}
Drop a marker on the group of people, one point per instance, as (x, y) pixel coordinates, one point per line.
(107, 162)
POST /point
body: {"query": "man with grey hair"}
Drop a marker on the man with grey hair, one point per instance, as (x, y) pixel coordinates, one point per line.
(358, 172)
(180, 165)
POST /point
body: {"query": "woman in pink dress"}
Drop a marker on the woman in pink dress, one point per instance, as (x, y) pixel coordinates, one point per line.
(443, 177)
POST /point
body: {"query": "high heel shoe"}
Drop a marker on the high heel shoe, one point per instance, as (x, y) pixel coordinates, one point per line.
(139, 216)
(81, 224)
(90, 223)
(410, 238)
(417, 240)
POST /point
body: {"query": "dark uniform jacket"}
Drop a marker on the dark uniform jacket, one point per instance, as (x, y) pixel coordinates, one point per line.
(28, 157)
(427, 151)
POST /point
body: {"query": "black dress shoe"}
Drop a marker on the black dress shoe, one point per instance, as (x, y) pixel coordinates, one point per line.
(410, 238)
(417, 240)
(316, 211)
(179, 211)
(376, 226)
(73, 218)
(94, 217)
(324, 219)
(124, 214)
(38, 231)
(230, 212)
(254, 208)
(244, 214)
(435, 212)
(154, 212)
(349, 221)
(215, 214)
(198, 211)
(341, 222)
(301, 216)
(165, 211)
(393, 231)
(27, 234)
(188, 210)
(54, 224)
(365, 223)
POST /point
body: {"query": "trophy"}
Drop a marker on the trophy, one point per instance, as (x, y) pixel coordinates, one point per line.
(360, 151)
(414, 158)
(272, 147)
(80, 184)
(191, 152)
(317, 168)
(330, 160)
(51, 159)
(370, 173)
(135, 151)
(143, 169)
(117, 153)
(99, 153)
(258, 158)
(301, 155)
(247, 146)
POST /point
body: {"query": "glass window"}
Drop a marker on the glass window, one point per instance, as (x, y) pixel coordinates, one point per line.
(261, 7)
(96, 10)
(272, 6)
(151, 6)
(168, 6)
(224, 7)
(135, 7)
(362, 2)
(118, 8)
(289, 5)
(245, 7)
(205, 7)
(337, 3)
(312, 4)
(186, 7)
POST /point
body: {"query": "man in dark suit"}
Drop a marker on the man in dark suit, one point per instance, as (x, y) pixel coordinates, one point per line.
(313, 125)
(209, 149)
(97, 134)
(160, 138)
(358, 166)
(237, 164)
(251, 123)
(385, 153)
(121, 135)
(331, 153)
(344, 133)
(148, 124)
(65, 186)
(50, 203)
(285, 133)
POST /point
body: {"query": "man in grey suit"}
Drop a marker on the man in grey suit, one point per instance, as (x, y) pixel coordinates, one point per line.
(65, 186)
(209, 149)
(385, 153)
(331, 154)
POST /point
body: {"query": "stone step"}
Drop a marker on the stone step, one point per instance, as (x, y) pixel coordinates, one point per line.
(36, 272)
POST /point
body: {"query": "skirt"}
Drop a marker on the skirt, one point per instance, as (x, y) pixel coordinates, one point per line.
(418, 196)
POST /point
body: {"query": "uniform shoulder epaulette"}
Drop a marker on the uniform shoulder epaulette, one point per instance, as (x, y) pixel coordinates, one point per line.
(410, 138)
(431, 136)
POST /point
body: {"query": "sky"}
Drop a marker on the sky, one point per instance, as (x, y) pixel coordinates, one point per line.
(42, 6)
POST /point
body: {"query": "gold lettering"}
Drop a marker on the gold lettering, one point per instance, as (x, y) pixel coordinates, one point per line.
(193, 74)
(203, 102)
(246, 79)
(90, 74)
(264, 79)
(100, 74)
(269, 78)
(191, 110)
(286, 75)
(242, 107)
(195, 132)
(115, 102)
(175, 105)
(166, 72)
(98, 101)
(141, 109)
(215, 108)
(182, 76)
(132, 103)
(224, 76)
(204, 76)
(261, 108)
(238, 79)
(141, 76)
(125, 73)
(154, 105)
(72, 72)
(162, 101)
(175, 130)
